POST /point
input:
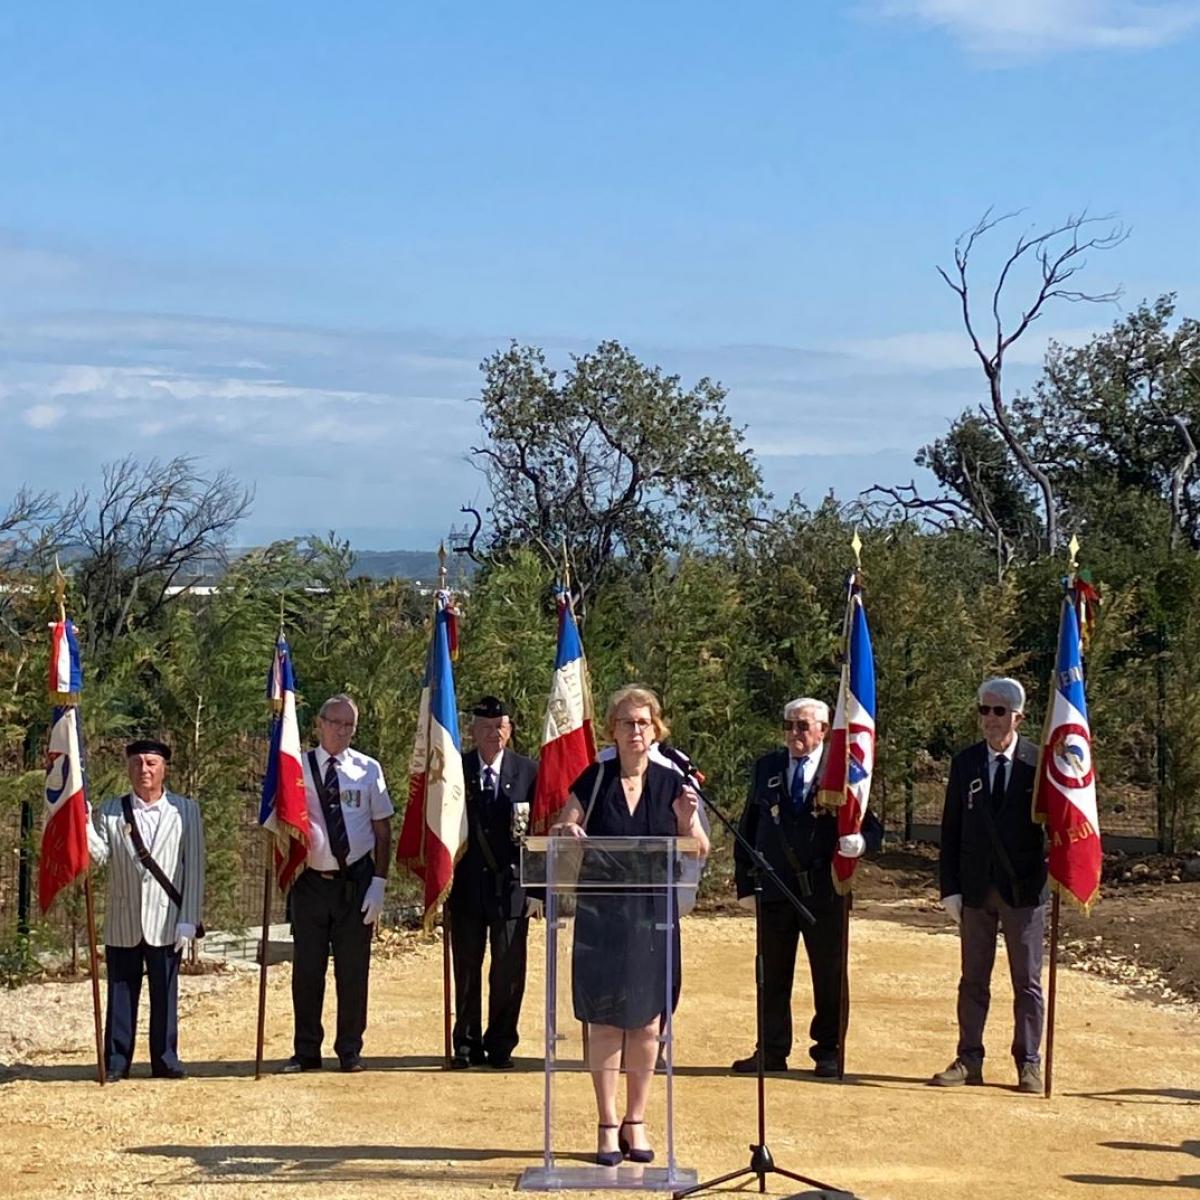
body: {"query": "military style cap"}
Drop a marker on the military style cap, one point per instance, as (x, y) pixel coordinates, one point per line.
(148, 746)
(490, 706)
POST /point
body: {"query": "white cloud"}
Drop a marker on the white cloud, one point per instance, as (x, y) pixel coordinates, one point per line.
(946, 350)
(1021, 28)
(43, 416)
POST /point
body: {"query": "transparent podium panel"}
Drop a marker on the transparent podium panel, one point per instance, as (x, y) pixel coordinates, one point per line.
(612, 979)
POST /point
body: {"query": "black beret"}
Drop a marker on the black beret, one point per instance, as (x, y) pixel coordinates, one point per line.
(489, 706)
(148, 746)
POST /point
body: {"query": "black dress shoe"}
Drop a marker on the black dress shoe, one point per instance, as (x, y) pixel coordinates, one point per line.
(170, 1073)
(826, 1068)
(295, 1065)
(749, 1065)
(460, 1062)
(352, 1065)
(501, 1062)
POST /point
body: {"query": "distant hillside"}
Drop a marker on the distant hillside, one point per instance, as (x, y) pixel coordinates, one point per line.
(420, 565)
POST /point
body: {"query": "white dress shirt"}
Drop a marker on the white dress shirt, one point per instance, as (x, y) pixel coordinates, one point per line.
(495, 770)
(364, 798)
(810, 771)
(997, 756)
(148, 815)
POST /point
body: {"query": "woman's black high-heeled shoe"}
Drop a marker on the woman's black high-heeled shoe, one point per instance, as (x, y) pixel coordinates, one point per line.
(609, 1158)
(632, 1152)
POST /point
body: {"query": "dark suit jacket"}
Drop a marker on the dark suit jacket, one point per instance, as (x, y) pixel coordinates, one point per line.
(970, 863)
(768, 820)
(497, 893)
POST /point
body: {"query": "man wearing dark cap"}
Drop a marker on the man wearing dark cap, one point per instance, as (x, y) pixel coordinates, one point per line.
(154, 843)
(487, 902)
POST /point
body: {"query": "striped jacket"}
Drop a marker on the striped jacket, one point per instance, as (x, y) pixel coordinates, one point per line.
(138, 908)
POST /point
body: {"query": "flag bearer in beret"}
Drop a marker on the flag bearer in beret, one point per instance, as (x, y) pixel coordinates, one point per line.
(487, 902)
(153, 841)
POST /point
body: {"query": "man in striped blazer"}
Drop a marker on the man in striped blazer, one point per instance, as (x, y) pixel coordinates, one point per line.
(153, 841)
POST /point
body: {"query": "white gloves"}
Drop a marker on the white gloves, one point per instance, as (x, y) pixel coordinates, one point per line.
(953, 905)
(852, 845)
(317, 840)
(747, 901)
(185, 935)
(372, 904)
(534, 908)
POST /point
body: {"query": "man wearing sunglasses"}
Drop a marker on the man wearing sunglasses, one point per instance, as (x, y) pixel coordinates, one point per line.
(993, 876)
(798, 838)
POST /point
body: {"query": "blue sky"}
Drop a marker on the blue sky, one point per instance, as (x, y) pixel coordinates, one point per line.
(282, 236)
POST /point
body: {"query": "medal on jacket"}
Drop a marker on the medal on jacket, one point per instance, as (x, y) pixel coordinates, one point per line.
(975, 788)
(774, 783)
(520, 821)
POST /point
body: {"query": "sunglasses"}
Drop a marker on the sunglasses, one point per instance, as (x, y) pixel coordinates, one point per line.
(801, 726)
(996, 710)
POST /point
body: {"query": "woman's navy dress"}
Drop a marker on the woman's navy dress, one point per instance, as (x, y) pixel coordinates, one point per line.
(619, 963)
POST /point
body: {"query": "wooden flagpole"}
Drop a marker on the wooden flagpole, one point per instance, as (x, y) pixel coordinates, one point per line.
(848, 902)
(265, 939)
(1052, 997)
(447, 973)
(60, 592)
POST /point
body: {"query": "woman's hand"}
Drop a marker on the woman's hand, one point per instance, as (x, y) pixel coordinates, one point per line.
(567, 829)
(686, 806)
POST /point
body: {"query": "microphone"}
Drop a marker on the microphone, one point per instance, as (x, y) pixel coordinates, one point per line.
(680, 762)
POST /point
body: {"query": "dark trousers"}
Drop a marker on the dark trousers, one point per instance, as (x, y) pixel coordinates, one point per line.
(327, 915)
(470, 931)
(781, 933)
(125, 965)
(1024, 930)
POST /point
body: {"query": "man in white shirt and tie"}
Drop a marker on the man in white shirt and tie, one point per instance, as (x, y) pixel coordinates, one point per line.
(338, 897)
(153, 841)
(992, 869)
(798, 838)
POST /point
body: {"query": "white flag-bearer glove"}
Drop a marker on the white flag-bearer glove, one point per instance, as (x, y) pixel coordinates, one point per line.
(185, 935)
(534, 908)
(852, 845)
(747, 901)
(372, 904)
(953, 905)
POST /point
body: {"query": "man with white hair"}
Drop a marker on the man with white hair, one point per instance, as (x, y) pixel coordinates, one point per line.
(783, 822)
(993, 875)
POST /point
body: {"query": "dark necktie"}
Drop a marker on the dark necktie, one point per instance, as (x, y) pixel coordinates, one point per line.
(331, 807)
(488, 787)
(999, 783)
(799, 791)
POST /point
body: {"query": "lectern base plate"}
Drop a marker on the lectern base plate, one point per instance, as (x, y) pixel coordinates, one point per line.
(629, 1177)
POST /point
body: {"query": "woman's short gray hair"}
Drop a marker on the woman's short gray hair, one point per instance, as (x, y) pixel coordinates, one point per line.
(334, 701)
(819, 707)
(1008, 690)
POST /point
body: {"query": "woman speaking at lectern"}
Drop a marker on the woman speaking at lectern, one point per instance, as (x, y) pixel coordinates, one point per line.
(620, 956)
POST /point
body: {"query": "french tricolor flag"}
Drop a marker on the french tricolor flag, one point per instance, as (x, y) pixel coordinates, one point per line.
(568, 736)
(850, 758)
(434, 832)
(64, 855)
(284, 811)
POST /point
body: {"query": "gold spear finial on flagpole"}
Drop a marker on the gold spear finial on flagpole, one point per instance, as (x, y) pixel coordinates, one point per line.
(60, 590)
(566, 567)
(441, 566)
(856, 546)
(1073, 547)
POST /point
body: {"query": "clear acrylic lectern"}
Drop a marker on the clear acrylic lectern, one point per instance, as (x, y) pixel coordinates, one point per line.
(612, 955)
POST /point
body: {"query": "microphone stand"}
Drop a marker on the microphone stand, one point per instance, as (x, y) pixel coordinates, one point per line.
(762, 1162)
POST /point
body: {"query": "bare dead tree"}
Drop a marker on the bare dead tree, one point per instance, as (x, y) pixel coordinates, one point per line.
(151, 522)
(1059, 254)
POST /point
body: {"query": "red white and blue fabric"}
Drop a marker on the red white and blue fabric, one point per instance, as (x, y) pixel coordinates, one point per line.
(568, 733)
(66, 672)
(284, 810)
(1064, 799)
(64, 855)
(850, 758)
(434, 832)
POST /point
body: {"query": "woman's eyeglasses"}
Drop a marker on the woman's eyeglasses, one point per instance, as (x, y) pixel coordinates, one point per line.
(626, 723)
(995, 710)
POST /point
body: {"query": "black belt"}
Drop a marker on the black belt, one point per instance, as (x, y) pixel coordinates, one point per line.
(351, 870)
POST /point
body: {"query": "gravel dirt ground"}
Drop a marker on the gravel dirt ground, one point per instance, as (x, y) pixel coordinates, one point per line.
(1125, 1120)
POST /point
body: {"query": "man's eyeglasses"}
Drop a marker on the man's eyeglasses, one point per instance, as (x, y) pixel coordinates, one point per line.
(800, 726)
(338, 724)
(995, 710)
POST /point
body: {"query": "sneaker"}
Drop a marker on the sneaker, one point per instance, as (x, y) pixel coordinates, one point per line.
(1029, 1078)
(958, 1073)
